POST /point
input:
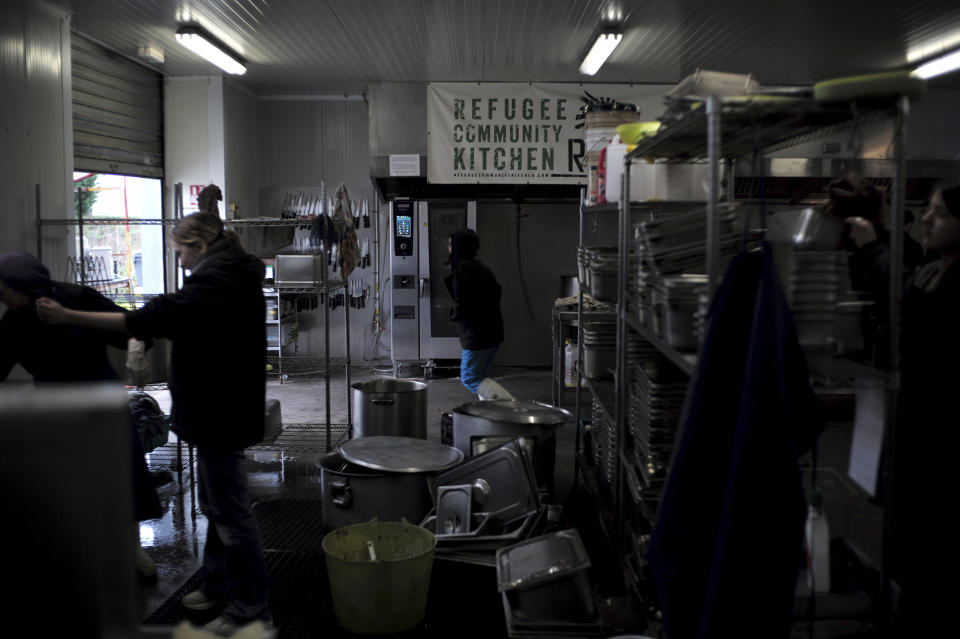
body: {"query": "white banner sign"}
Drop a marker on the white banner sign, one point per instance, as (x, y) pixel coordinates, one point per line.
(516, 132)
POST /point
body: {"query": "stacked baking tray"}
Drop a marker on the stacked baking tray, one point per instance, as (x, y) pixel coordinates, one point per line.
(672, 245)
(813, 283)
(656, 396)
(676, 243)
(604, 437)
(485, 503)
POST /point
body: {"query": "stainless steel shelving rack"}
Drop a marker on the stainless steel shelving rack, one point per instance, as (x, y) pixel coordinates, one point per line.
(307, 366)
(720, 132)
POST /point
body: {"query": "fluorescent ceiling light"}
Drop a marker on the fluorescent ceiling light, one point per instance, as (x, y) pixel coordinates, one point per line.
(918, 52)
(938, 66)
(206, 46)
(599, 52)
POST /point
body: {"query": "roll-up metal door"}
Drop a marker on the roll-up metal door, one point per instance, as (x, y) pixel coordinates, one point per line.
(117, 113)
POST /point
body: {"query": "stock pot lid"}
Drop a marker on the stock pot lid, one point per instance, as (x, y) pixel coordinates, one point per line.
(400, 454)
(517, 412)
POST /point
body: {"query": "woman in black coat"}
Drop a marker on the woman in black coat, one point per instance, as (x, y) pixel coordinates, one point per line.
(926, 436)
(217, 384)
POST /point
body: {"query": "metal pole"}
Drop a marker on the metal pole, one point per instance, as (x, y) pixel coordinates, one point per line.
(621, 361)
(897, 195)
(728, 176)
(578, 391)
(376, 263)
(346, 366)
(83, 269)
(36, 193)
(326, 347)
(713, 195)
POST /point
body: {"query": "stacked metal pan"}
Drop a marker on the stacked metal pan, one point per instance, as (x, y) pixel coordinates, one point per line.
(546, 587)
(813, 283)
(678, 300)
(599, 349)
(603, 265)
(656, 396)
(676, 243)
(487, 502)
(700, 317)
(604, 437)
(672, 246)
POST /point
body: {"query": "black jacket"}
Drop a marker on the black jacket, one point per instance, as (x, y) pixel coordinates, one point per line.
(476, 295)
(729, 530)
(925, 443)
(59, 353)
(926, 436)
(218, 354)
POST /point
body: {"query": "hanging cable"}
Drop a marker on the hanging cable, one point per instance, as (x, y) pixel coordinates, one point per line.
(523, 284)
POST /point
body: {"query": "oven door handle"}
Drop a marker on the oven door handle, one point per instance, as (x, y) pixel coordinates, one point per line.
(423, 285)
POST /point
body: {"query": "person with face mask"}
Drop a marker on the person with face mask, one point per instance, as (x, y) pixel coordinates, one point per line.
(217, 386)
(925, 441)
(66, 354)
(476, 297)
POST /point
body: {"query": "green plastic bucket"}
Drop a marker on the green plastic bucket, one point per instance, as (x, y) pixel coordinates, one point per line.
(387, 594)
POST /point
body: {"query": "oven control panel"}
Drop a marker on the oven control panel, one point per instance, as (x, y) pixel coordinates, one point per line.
(403, 229)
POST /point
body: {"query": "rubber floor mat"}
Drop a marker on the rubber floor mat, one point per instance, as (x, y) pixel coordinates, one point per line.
(291, 524)
(463, 598)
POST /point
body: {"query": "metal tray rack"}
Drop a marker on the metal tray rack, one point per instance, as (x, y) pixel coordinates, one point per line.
(604, 436)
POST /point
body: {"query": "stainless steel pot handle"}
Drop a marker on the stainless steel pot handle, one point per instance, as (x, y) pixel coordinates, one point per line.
(383, 401)
(340, 493)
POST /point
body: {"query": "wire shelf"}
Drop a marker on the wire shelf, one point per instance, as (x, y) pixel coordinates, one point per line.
(304, 367)
(165, 457)
(103, 220)
(137, 300)
(317, 288)
(307, 437)
(159, 386)
(756, 126)
(270, 222)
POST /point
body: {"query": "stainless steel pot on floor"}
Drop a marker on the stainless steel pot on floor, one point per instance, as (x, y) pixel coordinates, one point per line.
(396, 407)
(482, 426)
(381, 476)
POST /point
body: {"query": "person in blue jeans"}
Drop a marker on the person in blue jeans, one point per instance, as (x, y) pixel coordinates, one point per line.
(476, 309)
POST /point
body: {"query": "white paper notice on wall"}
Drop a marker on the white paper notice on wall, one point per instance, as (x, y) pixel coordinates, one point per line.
(868, 427)
(404, 166)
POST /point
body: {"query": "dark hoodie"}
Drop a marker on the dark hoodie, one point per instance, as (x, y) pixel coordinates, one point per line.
(53, 353)
(475, 293)
(218, 355)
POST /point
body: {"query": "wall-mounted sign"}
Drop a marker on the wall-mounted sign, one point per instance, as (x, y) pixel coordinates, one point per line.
(517, 132)
(195, 194)
(404, 166)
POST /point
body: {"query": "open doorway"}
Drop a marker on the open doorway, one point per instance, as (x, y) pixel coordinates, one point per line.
(119, 238)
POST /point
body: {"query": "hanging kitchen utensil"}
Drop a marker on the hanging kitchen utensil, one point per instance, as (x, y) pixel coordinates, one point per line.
(346, 233)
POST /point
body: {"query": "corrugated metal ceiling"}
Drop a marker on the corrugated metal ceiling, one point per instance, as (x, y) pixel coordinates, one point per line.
(339, 46)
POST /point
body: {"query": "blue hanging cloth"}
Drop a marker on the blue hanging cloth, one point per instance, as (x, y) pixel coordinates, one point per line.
(728, 540)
